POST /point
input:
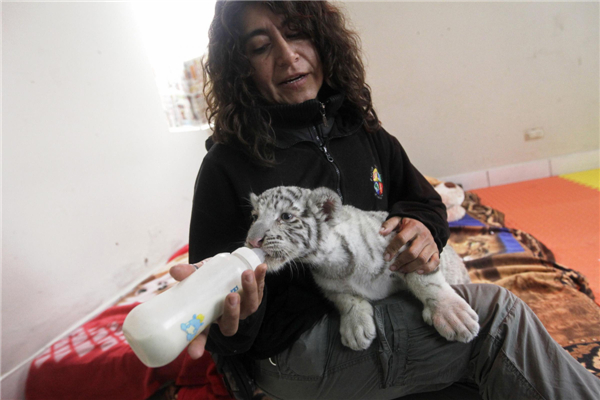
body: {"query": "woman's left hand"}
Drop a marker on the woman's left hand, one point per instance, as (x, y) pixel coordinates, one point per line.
(421, 252)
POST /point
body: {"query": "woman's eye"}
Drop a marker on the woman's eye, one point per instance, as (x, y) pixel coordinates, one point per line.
(260, 50)
(294, 34)
(293, 29)
(286, 216)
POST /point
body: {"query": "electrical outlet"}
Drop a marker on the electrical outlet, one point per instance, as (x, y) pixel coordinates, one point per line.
(534, 134)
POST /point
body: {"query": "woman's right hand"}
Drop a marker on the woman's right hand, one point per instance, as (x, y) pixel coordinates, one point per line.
(236, 307)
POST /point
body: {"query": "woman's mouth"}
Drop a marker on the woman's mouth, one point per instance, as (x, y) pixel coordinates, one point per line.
(295, 79)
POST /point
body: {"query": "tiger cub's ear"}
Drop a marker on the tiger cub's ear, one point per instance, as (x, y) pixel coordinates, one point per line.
(326, 203)
(253, 200)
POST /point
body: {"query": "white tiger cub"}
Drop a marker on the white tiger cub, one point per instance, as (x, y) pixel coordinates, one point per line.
(345, 250)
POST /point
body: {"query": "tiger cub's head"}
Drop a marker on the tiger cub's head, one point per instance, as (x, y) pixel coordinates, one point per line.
(289, 221)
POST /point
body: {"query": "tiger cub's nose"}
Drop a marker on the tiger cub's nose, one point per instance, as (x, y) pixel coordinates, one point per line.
(256, 242)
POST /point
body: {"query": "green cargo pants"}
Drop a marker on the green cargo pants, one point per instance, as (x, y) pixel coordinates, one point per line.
(513, 357)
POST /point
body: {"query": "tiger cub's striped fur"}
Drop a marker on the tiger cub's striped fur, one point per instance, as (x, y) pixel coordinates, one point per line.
(345, 250)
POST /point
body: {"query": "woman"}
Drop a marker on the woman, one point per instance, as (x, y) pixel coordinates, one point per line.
(286, 95)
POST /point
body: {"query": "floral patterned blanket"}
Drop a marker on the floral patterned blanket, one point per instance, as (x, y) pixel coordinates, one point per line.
(561, 297)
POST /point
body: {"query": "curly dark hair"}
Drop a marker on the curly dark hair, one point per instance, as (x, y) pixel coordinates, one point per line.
(231, 95)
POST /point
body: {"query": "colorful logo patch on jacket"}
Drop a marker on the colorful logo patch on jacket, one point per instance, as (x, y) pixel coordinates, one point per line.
(377, 183)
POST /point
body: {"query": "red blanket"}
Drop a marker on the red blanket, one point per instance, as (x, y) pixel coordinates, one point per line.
(95, 362)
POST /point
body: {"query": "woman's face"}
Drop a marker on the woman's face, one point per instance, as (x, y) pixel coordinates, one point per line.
(287, 68)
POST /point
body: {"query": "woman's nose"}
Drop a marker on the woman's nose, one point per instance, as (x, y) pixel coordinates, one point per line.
(286, 54)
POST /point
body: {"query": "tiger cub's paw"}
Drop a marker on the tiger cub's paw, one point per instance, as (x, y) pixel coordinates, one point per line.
(357, 327)
(452, 317)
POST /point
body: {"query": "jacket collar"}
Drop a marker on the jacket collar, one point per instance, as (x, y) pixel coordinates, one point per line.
(304, 114)
(294, 123)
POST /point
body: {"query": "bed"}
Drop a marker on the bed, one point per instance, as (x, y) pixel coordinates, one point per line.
(95, 362)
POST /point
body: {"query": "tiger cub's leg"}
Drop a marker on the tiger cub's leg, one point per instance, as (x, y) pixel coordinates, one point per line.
(357, 325)
(449, 313)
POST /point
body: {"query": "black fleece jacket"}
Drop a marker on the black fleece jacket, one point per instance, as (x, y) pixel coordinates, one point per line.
(315, 146)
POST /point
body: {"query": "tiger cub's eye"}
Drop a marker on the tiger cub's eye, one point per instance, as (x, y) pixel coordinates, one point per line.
(286, 216)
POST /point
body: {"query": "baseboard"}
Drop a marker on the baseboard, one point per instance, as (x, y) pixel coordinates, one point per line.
(577, 162)
(544, 168)
(13, 384)
(519, 172)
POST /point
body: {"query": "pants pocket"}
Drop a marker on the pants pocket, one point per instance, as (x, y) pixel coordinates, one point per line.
(307, 357)
(392, 334)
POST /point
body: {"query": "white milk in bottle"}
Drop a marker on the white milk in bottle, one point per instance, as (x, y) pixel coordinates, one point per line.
(162, 327)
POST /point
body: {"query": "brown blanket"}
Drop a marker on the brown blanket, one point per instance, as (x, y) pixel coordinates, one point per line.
(560, 297)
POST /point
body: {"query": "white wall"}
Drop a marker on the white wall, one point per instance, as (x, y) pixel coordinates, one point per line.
(97, 192)
(460, 83)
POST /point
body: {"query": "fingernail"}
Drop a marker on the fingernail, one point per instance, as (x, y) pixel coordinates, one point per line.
(387, 257)
(420, 272)
(234, 300)
(393, 268)
(194, 353)
(382, 229)
(249, 278)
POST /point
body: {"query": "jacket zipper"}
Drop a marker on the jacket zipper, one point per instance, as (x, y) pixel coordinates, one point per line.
(329, 157)
(323, 115)
(337, 170)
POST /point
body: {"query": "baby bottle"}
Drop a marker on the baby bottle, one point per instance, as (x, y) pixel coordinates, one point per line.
(159, 329)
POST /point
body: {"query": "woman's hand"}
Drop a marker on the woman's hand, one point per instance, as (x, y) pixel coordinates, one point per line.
(421, 253)
(236, 307)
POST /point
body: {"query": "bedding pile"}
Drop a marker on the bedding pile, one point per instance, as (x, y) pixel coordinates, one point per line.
(95, 361)
(559, 296)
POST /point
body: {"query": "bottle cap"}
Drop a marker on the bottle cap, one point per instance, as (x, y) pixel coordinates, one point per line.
(254, 257)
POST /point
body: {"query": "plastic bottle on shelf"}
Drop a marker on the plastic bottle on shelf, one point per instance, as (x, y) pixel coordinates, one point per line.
(159, 329)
